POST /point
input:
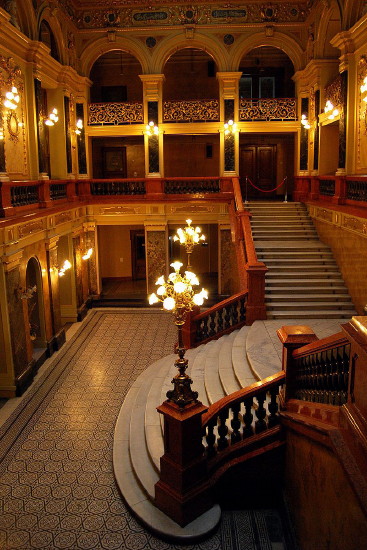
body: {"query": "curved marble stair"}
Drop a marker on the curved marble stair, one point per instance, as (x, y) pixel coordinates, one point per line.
(303, 279)
(217, 368)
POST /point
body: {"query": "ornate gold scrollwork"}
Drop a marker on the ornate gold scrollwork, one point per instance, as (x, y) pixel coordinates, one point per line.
(268, 109)
(333, 93)
(115, 113)
(12, 124)
(204, 110)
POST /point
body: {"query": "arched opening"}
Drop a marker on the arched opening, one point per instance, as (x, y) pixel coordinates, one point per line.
(191, 95)
(34, 296)
(115, 77)
(266, 89)
(47, 37)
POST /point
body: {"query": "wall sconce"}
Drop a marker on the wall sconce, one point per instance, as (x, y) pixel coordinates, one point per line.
(12, 99)
(52, 118)
(88, 254)
(364, 89)
(65, 267)
(305, 122)
(230, 127)
(329, 108)
(151, 129)
(79, 126)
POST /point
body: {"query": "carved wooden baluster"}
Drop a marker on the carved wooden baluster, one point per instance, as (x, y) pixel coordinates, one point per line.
(260, 412)
(211, 438)
(220, 320)
(334, 376)
(345, 367)
(205, 330)
(235, 314)
(222, 429)
(212, 325)
(227, 317)
(248, 429)
(329, 378)
(242, 310)
(236, 423)
(273, 408)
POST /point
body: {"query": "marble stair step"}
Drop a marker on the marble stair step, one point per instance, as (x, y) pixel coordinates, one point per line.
(197, 372)
(308, 282)
(341, 289)
(262, 357)
(319, 314)
(274, 274)
(227, 375)
(295, 305)
(313, 267)
(213, 386)
(241, 366)
(294, 296)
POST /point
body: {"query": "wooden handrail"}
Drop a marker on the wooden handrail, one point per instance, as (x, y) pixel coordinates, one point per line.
(220, 305)
(238, 397)
(324, 344)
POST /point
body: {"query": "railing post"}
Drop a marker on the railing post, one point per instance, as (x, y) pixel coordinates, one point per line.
(83, 189)
(301, 188)
(44, 198)
(293, 337)
(315, 189)
(71, 191)
(6, 207)
(340, 190)
(183, 491)
(255, 307)
(154, 187)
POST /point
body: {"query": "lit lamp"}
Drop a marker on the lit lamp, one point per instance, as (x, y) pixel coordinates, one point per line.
(88, 254)
(177, 295)
(189, 237)
(12, 99)
(79, 126)
(52, 118)
(329, 108)
(230, 127)
(305, 122)
(151, 129)
(65, 267)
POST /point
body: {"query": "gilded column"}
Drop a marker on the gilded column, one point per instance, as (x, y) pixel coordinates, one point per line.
(90, 241)
(58, 160)
(7, 373)
(58, 332)
(156, 246)
(153, 144)
(229, 111)
(227, 273)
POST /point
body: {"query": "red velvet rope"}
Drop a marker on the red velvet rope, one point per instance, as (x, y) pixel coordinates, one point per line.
(266, 190)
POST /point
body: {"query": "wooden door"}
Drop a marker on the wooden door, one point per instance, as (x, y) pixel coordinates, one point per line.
(258, 163)
(138, 254)
(114, 162)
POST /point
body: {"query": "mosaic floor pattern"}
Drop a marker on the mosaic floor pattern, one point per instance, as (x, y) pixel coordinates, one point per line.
(57, 488)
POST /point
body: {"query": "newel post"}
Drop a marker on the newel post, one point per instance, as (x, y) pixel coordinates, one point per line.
(183, 491)
(292, 338)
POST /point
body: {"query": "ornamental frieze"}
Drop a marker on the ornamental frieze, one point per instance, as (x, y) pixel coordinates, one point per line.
(63, 217)
(29, 228)
(326, 215)
(355, 224)
(125, 14)
(118, 210)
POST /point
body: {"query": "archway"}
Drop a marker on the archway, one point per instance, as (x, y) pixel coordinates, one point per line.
(35, 306)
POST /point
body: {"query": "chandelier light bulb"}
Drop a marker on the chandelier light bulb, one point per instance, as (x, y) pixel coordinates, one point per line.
(161, 290)
(179, 287)
(176, 266)
(153, 299)
(160, 280)
(169, 303)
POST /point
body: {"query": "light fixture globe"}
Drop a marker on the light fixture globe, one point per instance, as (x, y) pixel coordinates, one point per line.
(189, 237)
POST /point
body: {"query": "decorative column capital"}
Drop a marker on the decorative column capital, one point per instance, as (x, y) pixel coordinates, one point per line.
(12, 261)
(228, 82)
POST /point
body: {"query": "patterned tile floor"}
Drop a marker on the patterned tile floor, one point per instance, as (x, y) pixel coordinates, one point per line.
(57, 488)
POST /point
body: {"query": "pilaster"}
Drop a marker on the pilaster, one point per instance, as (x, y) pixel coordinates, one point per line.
(156, 250)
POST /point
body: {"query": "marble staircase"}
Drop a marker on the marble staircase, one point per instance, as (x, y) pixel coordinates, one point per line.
(303, 279)
(217, 368)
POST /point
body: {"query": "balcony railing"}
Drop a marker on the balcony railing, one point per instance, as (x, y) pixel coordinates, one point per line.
(350, 190)
(24, 196)
(115, 114)
(205, 110)
(268, 109)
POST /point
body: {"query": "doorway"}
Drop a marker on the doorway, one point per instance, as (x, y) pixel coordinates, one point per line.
(138, 255)
(258, 163)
